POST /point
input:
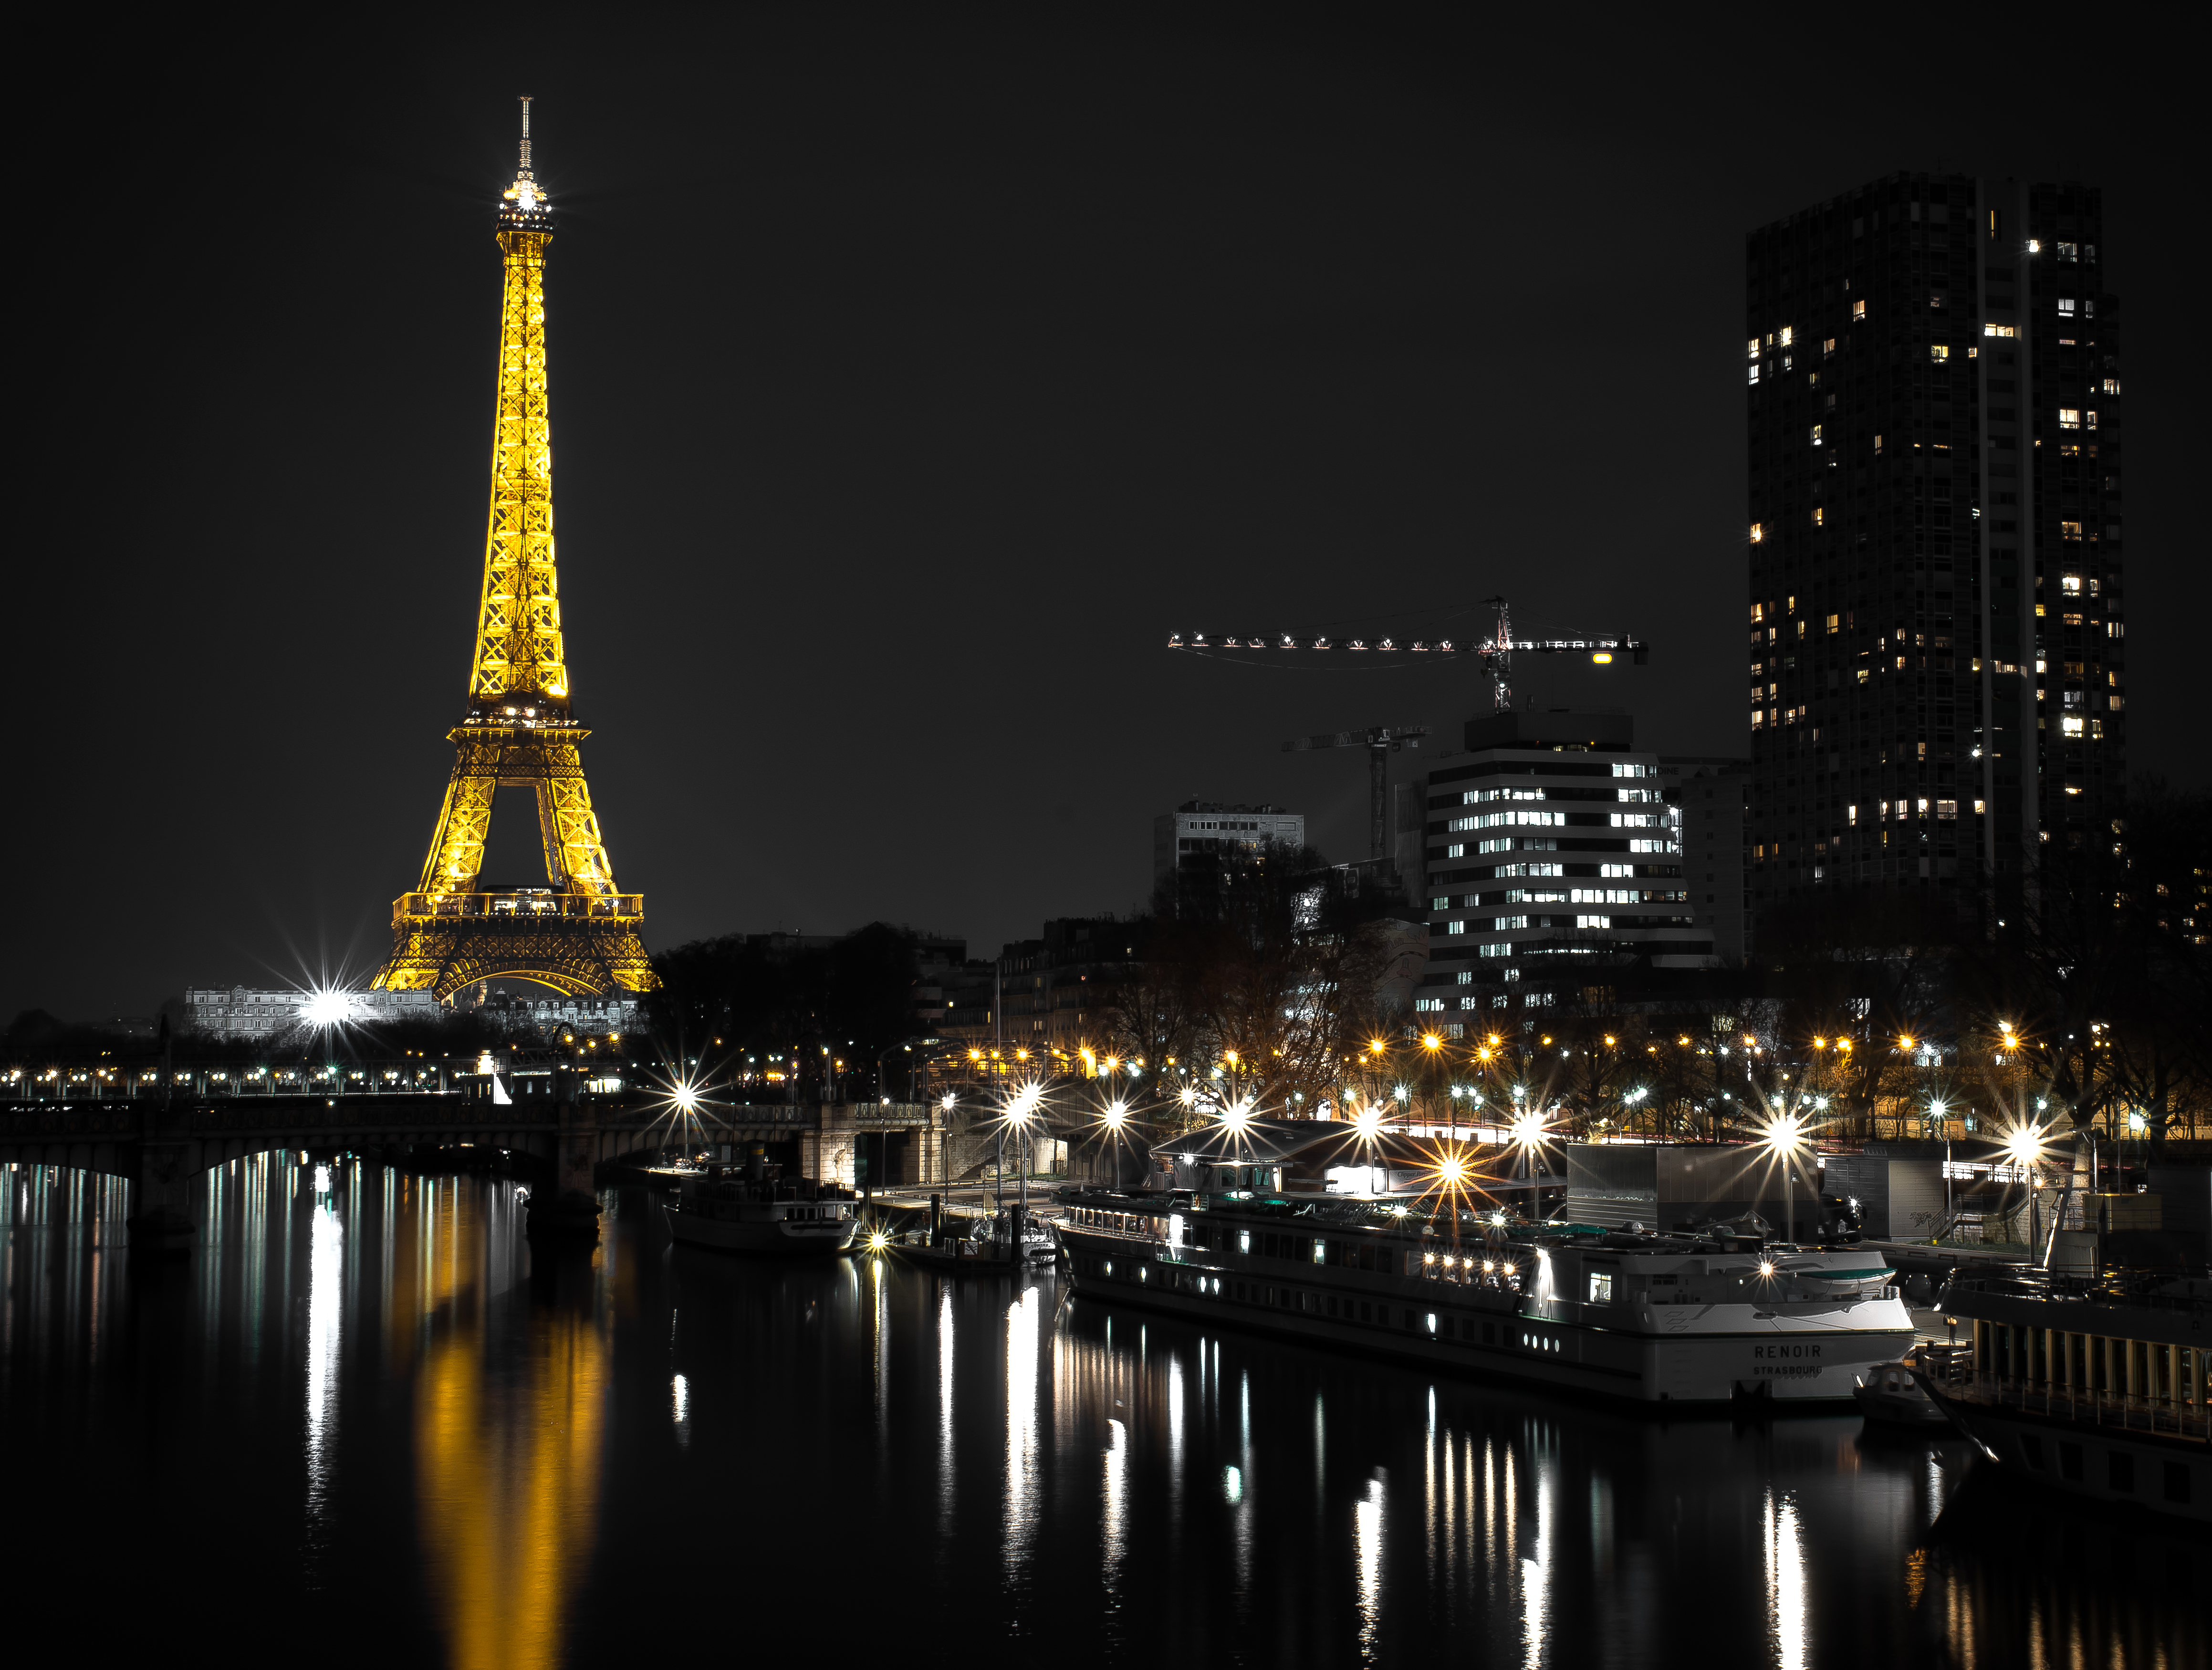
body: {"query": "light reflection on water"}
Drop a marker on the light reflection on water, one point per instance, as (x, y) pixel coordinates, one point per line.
(367, 1398)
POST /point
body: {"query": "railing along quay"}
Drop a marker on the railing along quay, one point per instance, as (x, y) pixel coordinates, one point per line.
(2130, 1411)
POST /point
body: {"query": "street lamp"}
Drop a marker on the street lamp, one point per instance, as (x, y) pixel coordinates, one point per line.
(1527, 1134)
(1780, 1138)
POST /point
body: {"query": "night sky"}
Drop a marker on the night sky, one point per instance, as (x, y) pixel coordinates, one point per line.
(913, 374)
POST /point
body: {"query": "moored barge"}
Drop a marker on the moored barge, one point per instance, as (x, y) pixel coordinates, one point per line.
(2094, 1389)
(1703, 1317)
(740, 1209)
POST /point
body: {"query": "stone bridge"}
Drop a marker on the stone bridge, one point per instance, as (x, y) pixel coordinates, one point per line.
(160, 1145)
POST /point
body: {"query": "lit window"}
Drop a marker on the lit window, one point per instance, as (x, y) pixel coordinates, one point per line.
(1828, 347)
(1754, 348)
(1832, 621)
(1947, 809)
(2070, 417)
(1616, 870)
(2088, 420)
(1593, 921)
(1938, 352)
(1858, 311)
(2069, 251)
(1877, 446)
(1817, 515)
(2072, 724)
(2070, 530)
(2065, 304)
(2070, 583)
(1785, 336)
(2112, 385)
(1854, 817)
(1816, 434)
(1981, 807)
(1758, 533)
(1999, 331)
(1754, 373)
(1454, 928)
(2034, 245)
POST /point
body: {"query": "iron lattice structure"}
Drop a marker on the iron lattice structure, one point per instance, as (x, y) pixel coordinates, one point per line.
(579, 933)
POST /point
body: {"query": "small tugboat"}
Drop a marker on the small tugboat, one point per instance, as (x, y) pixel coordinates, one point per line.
(1887, 1391)
(749, 1209)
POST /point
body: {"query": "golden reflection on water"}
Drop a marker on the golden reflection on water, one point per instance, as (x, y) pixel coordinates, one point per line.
(507, 1467)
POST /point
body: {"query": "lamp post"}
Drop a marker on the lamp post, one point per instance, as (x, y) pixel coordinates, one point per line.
(1781, 1138)
(1528, 1132)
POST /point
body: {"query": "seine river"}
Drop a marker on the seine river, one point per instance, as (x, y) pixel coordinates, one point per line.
(364, 1423)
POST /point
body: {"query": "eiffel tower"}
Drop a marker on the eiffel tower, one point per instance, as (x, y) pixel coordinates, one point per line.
(578, 933)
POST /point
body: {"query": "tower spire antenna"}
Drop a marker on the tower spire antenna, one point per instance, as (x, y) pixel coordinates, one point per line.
(525, 133)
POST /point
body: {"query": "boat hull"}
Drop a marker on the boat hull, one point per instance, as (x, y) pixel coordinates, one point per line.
(1489, 1337)
(972, 1257)
(2144, 1470)
(1895, 1409)
(780, 1236)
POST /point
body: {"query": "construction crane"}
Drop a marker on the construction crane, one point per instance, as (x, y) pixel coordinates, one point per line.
(1495, 652)
(1381, 741)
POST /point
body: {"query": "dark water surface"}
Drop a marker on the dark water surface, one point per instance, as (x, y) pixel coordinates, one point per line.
(364, 1423)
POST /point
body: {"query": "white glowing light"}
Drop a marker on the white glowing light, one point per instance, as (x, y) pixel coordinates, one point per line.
(325, 1006)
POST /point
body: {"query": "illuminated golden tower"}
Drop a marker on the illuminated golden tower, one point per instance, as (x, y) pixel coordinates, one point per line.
(577, 932)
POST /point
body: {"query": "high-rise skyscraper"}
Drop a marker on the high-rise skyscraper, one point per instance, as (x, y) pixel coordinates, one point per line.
(1935, 599)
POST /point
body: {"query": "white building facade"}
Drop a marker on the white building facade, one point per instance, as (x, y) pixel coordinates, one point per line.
(239, 1011)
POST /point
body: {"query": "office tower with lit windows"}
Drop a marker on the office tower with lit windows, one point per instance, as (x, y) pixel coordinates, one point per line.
(1936, 621)
(1554, 868)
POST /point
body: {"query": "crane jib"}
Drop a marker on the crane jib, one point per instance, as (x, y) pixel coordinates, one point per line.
(1636, 648)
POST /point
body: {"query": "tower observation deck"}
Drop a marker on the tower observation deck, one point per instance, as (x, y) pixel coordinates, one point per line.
(579, 933)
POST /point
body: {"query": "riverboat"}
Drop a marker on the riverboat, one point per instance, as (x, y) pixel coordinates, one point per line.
(2097, 1390)
(985, 1245)
(1706, 1317)
(724, 1207)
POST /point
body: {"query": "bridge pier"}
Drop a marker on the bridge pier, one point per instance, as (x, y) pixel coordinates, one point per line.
(570, 1209)
(160, 1218)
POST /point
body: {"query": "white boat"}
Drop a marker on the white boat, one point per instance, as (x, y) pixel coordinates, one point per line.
(1693, 1318)
(724, 1208)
